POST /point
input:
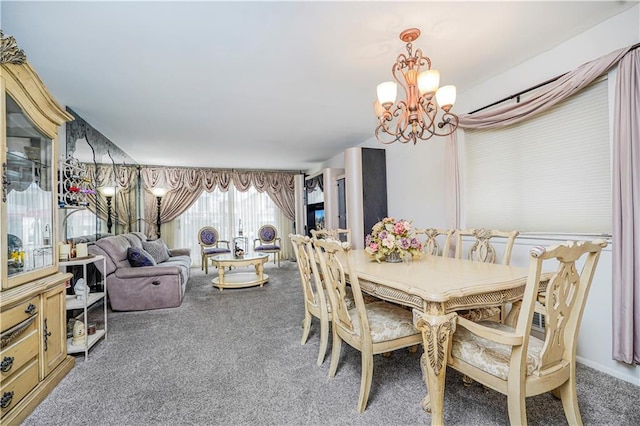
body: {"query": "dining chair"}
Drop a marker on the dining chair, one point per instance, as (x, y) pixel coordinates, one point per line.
(512, 361)
(437, 241)
(482, 249)
(339, 234)
(209, 241)
(315, 301)
(372, 328)
(268, 242)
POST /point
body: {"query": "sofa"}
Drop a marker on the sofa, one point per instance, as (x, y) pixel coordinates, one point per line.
(158, 279)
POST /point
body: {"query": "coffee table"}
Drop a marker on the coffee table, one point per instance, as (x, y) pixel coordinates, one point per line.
(239, 279)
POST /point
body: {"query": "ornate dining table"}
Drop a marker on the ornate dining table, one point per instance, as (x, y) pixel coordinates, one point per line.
(436, 287)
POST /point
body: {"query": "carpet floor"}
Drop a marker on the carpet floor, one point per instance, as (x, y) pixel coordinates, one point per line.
(234, 357)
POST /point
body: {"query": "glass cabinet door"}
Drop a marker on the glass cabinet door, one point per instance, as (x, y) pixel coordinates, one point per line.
(28, 193)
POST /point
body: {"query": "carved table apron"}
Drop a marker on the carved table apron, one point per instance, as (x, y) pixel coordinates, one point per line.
(436, 287)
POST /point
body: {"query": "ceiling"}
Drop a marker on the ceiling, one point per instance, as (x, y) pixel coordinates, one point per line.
(265, 85)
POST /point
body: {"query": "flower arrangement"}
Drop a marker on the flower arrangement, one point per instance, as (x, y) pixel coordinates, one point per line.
(392, 238)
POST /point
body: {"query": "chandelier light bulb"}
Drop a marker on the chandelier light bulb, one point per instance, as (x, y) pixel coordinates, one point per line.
(387, 93)
(378, 109)
(428, 82)
(446, 97)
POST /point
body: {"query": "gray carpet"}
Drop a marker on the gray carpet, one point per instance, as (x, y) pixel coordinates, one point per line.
(234, 358)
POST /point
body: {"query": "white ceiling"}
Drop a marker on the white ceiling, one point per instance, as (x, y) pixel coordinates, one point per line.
(268, 85)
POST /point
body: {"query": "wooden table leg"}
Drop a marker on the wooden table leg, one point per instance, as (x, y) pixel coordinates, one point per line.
(260, 271)
(220, 277)
(436, 331)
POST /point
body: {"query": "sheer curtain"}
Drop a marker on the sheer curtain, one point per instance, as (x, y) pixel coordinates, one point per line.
(227, 211)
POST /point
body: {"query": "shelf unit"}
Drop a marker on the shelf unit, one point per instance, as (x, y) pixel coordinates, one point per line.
(85, 304)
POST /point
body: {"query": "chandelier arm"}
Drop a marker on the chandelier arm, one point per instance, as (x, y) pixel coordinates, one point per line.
(422, 60)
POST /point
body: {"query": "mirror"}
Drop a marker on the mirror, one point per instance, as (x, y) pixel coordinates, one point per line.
(113, 175)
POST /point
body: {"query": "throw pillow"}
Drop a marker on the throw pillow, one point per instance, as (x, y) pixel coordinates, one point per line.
(139, 257)
(157, 249)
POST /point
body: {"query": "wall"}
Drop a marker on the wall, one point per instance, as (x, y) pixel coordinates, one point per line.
(416, 173)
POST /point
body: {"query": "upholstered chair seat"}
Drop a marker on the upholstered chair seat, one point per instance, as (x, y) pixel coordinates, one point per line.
(216, 250)
(490, 356)
(386, 322)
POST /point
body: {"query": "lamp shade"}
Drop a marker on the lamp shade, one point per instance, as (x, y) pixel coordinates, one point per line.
(159, 192)
(428, 81)
(378, 109)
(108, 191)
(446, 97)
(387, 92)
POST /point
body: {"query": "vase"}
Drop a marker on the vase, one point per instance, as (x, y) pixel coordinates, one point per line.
(393, 257)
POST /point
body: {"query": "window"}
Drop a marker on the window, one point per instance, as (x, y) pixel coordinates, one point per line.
(551, 173)
(227, 211)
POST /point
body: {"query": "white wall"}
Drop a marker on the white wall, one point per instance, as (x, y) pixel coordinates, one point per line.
(416, 180)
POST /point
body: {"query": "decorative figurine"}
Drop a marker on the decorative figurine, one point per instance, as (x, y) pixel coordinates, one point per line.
(79, 334)
(81, 289)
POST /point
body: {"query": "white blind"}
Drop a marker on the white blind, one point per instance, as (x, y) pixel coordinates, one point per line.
(548, 174)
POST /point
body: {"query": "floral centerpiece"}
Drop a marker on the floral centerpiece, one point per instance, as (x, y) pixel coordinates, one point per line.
(391, 239)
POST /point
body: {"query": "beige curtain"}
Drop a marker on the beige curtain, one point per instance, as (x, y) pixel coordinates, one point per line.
(626, 236)
(185, 185)
(626, 211)
(122, 177)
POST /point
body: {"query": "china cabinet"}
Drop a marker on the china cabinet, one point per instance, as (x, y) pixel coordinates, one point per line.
(33, 351)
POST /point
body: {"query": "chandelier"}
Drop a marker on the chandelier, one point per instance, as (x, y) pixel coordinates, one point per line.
(419, 116)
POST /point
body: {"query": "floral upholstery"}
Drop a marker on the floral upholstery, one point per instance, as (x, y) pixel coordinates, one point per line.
(208, 236)
(267, 234)
(386, 321)
(490, 356)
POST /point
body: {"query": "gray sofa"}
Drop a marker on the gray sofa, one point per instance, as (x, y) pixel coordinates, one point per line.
(144, 287)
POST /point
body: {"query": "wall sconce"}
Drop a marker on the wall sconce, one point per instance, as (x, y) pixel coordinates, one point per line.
(158, 193)
(108, 192)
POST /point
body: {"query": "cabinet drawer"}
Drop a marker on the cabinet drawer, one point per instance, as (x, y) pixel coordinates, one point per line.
(18, 386)
(19, 352)
(19, 313)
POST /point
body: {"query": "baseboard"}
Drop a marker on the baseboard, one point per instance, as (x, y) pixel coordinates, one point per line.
(635, 380)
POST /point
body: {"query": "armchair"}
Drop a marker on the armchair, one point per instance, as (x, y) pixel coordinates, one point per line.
(209, 241)
(268, 242)
(516, 364)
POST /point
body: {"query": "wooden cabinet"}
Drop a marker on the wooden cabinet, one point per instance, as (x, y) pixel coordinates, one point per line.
(54, 330)
(33, 353)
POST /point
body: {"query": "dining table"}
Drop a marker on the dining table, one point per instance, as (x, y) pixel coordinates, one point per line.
(436, 288)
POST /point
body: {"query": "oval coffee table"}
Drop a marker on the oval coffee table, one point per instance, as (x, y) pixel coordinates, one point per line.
(239, 279)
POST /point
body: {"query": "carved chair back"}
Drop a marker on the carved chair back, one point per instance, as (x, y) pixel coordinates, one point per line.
(437, 241)
(334, 262)
(339, 234)
(482, 247)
